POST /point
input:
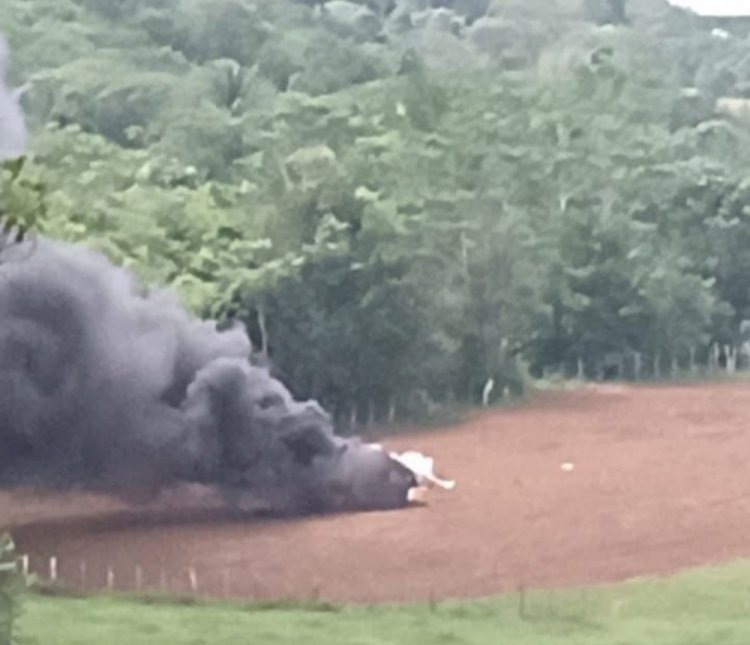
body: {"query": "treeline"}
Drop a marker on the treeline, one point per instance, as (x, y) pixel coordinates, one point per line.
(403, 200)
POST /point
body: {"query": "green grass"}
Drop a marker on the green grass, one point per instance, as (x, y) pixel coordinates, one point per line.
(707, 607)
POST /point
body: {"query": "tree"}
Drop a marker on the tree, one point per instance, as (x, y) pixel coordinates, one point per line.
(22, 206)
(392, 233)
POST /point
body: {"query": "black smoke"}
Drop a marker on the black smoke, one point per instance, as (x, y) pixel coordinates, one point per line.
(112, 387)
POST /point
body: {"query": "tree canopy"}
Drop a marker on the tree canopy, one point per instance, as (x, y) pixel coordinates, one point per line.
(402, 199)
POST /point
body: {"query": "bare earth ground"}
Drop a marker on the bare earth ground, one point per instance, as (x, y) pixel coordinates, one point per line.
(661, 482)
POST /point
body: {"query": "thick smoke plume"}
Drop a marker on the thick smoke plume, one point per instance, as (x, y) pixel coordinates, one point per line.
(12, 128)
(105, 385)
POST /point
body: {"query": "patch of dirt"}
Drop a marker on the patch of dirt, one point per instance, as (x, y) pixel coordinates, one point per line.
(659, 481)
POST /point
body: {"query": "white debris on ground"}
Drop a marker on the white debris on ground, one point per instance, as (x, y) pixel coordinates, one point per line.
(416, 495)
(423, 468)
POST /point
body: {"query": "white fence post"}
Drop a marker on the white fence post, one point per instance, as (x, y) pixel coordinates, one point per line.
(731, 354)
(487, 391)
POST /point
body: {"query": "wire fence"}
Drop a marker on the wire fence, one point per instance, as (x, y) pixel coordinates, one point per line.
(71, 575)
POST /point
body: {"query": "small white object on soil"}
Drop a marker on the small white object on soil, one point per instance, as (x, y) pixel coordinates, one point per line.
(567, 466)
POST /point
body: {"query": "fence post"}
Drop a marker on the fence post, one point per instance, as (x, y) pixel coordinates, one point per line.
(487, 391)
(53, 569)
(110, 578)
(522, 612)
(731, 353)
(193, 577)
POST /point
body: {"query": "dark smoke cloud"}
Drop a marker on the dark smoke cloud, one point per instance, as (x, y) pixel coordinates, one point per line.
(107, 386)
(12, 128)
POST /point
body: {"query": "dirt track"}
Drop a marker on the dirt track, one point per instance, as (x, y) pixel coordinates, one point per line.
(661, 482)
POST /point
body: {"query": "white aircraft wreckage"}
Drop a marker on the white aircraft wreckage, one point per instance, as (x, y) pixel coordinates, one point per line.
(423, 469)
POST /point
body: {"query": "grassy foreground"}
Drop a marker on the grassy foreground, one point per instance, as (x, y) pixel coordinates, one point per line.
(708, 607)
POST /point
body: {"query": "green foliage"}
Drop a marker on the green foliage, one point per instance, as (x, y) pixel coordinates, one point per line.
(12, 585)
(22, 206)
(401, 200)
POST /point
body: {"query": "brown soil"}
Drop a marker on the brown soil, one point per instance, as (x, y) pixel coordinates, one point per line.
(660, 483)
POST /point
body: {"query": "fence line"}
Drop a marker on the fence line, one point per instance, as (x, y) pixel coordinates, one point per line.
(81, 575)
(713, 360)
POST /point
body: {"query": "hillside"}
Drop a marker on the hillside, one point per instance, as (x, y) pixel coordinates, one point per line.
(404, 199)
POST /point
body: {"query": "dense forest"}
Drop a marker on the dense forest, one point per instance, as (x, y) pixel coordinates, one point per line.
(402, 199)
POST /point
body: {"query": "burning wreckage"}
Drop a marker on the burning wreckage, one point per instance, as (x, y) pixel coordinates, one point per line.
(107, 386)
